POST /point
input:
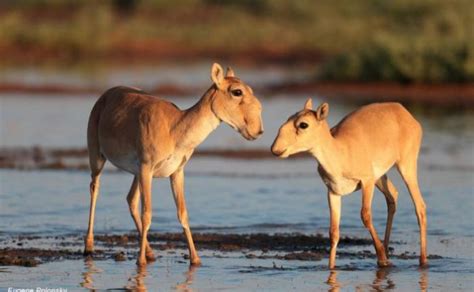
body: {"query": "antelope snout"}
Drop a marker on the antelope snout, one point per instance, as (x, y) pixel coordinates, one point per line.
(253, 131)
(247, 135)
(277, 153)
(277, 150)
(259, 133)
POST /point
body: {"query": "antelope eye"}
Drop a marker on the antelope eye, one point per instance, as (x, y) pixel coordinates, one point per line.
(303, 125)
(236, 92)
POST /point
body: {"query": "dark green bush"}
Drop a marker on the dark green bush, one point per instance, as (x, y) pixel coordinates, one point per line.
(404, 62)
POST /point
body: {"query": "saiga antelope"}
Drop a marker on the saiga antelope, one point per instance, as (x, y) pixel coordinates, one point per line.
(151, 137)
(356, 154)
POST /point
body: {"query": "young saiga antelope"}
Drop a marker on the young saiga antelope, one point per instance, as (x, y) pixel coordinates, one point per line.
(151, 137)
(356, 154)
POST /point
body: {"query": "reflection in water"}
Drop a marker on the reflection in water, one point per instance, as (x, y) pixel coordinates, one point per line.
(332, 281)
(87, 275)
(423, 280)
(137, 282)
(189, 277)
(382, 281)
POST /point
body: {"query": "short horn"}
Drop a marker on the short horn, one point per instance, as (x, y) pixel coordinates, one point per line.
(230, 72)
(308, 104)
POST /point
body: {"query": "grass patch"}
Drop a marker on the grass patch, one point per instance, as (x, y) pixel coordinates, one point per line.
(366, 40)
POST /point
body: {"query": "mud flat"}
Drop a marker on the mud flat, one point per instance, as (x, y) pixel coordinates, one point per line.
(458, 96)
(77, 158)
(30, 251)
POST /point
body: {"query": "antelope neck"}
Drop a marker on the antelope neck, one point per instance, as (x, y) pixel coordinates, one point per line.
(197, 122)
(328, 153)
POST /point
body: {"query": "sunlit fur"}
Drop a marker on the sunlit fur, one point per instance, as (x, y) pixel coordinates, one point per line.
(151, 137)
(292, 139)
(356, 154)
(243, 113)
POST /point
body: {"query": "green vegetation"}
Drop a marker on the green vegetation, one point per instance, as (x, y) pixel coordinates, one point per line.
(365, 40)
(411, 41)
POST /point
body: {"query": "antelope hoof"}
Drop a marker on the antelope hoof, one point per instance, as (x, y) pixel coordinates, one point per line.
(89, 247)
(384, 263)
(196, 261)
(141, 262)
(150, 256)
(423, 262)
(88, 252)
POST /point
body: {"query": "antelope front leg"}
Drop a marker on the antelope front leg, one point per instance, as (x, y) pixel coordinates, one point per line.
(366, 215)
(177, 186)
(144, 181)
(335, 213)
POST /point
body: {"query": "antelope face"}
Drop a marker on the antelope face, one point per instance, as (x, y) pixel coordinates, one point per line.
(235, 104)
(299, 132)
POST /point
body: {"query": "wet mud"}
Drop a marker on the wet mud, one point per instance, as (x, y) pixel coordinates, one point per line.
(77, 158)
(30, 251)
(40, 158)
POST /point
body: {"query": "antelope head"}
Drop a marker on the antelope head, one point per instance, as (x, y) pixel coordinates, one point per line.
(299, 132)
(235, 104)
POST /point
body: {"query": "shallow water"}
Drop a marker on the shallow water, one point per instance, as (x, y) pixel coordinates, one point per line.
(61, 121)
(238, 273)
(236, 196)
(56, 202)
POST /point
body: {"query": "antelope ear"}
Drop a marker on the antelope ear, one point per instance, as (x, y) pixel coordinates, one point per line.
(308, 104)
(230, 72)
(322, 112)
(217, 75)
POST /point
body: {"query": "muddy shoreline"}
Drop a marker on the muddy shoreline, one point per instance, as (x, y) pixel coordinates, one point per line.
(31, 251)
(457, 96)
(29, 158)
(41, 158)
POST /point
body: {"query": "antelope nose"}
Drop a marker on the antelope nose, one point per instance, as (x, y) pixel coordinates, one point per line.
(277, 153)
(260, 132)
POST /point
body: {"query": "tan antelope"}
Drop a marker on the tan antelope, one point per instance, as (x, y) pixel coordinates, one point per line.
(356, 154)
(151, 137)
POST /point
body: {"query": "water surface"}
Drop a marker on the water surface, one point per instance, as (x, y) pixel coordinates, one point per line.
(236, 196)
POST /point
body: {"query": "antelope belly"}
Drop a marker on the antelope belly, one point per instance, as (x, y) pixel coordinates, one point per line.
(168, 166)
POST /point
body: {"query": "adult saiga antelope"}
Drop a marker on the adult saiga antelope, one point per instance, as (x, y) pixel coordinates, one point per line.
(151, 137)
(356, 154)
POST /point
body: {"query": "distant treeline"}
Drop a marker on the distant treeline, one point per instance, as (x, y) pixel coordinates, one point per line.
(363, 40)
